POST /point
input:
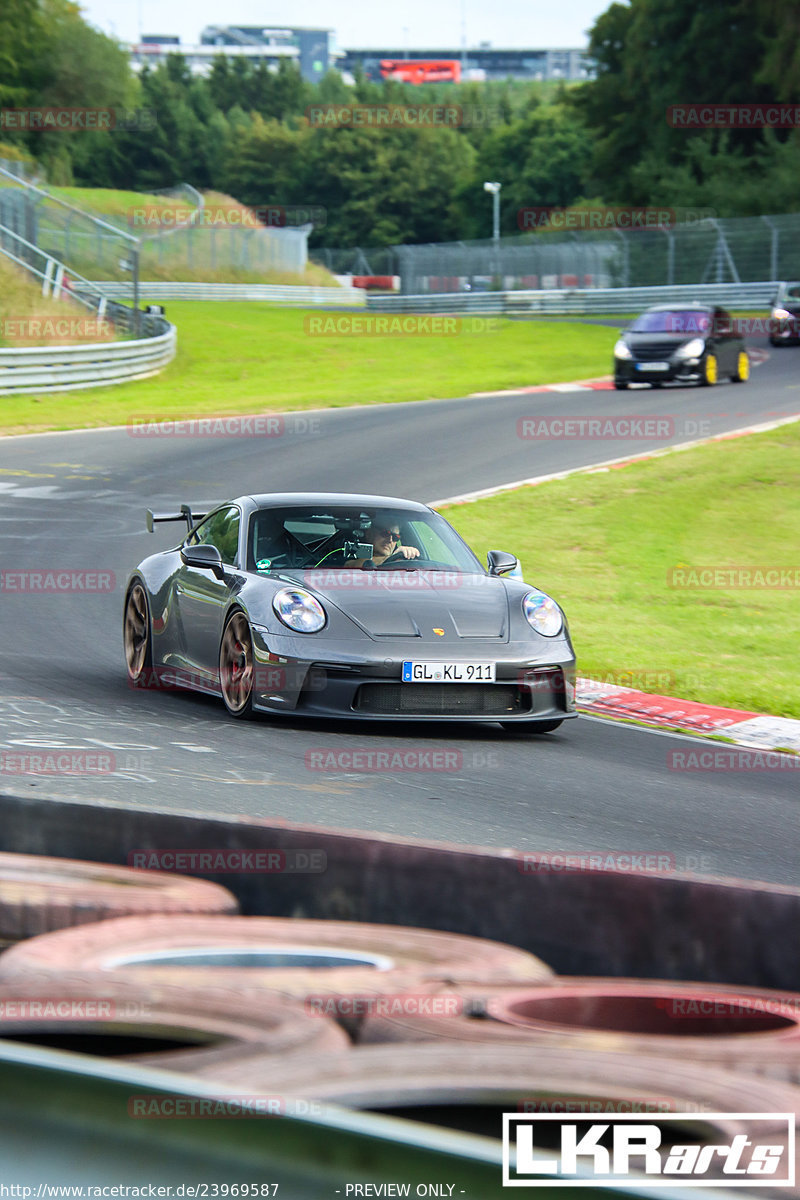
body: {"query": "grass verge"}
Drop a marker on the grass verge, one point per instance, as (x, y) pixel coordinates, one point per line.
(605, 547)
(250, 357)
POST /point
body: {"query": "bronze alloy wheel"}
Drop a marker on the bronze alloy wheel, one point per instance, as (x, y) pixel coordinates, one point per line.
(136, 632)
(236, 666)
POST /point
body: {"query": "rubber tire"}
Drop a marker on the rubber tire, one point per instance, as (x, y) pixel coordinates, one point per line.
(219, 1026)
(38, 894)
(705, 381)
(616, 1015)
(148, 655)
(446, 1082)
(620, 387)
(246, 712)
(528, 730)
(418, 959)
(738, 377)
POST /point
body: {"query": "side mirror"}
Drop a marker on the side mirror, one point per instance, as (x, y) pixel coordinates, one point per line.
(499, 562)
(205, 557)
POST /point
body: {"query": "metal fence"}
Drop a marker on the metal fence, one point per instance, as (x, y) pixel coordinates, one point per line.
(107, 247)
(34, 369)
(580, 300)
(709, 250)
(358, 261)
(298, 295)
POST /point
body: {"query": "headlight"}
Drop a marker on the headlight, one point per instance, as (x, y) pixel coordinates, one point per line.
(692, 349)
(622, 350)
(781, 314)
(542, 614)
(298, 609)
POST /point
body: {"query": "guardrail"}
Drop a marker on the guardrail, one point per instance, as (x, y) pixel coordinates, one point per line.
(586, 300)
(300, 295)
(70, 368)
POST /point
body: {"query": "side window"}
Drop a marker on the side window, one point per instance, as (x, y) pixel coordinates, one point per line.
(723, 323)
(221, 529)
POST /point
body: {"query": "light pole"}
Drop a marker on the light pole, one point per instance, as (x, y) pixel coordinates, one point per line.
(494, 188)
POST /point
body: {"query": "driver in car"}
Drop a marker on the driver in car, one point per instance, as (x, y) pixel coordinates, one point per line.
(384, 537)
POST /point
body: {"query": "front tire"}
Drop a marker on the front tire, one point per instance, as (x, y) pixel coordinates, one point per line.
(136, 632)
(236, 666)
(527, 730)
(710, 370)
(620, 385)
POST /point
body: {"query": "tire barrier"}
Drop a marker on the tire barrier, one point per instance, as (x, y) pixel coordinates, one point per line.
(38, 895)
(222, 945)
(750, 1029)
(100, 1014)
(469, 1087)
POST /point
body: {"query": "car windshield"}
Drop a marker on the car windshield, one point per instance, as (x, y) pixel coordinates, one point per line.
(792, 292)
(304, 537)
(686, 321)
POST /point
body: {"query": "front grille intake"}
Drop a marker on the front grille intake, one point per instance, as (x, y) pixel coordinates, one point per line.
(442, 699)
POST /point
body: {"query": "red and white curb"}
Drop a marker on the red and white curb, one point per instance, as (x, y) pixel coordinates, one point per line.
(603, 383)
(739, 726)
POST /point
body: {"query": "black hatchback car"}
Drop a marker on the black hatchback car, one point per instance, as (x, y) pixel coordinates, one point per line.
(687, 343)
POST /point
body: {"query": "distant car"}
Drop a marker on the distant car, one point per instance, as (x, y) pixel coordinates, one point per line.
(687, 343)
(277, 603)
(785, 316)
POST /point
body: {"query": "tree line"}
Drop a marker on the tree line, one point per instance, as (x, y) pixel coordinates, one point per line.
(244, 129)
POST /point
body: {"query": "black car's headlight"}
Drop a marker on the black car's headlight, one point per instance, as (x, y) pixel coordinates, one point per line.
(622, 350)
(781, 314)
(692, 349)
(299, 610)
(542, 614)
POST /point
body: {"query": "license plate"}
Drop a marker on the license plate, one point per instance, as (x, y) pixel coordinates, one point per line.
(448, 672)
(652, 366)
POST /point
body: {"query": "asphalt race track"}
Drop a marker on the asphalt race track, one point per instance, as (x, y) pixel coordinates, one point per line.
(77, 501)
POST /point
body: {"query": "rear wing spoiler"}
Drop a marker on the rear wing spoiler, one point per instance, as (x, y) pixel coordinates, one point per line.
(185, 514)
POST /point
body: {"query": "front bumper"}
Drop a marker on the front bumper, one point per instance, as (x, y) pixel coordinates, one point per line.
(684, 370)
(527, 689)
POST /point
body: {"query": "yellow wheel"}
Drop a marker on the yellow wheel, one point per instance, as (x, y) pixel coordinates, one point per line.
(742, 368)
(710, 370)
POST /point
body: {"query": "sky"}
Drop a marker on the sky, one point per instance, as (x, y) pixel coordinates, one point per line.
(363, 23)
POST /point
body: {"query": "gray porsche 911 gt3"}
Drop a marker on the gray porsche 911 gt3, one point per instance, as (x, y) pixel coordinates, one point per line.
(367, 607)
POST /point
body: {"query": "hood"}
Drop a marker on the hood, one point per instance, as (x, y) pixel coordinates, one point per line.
(414, 603)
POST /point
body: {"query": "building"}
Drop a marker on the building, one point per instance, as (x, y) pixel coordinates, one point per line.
(311, 49)
(482, 62)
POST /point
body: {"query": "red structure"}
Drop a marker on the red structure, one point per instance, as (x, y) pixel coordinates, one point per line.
(422, 70)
